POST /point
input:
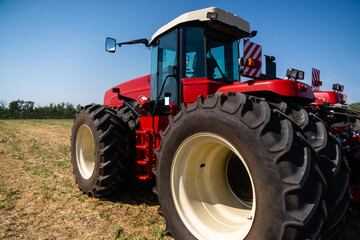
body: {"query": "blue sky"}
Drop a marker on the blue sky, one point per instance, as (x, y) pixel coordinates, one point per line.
(53, 51)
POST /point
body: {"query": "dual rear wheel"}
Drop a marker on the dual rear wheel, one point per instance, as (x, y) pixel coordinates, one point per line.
(232, 168)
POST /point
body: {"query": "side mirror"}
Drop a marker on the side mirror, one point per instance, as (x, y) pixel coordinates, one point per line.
(110, 45)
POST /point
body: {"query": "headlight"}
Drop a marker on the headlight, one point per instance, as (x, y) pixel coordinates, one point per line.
(335, 86)
(295, 74)
(338, 87)
(341, 88)
(301, 75)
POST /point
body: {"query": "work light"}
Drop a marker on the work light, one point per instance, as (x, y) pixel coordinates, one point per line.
(295, 74)
(212, 15)
(300, 75)
(291, 73)
(338, 87)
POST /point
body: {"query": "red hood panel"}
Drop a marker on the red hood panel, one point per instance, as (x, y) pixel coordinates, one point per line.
(132, 89)
(329, 97)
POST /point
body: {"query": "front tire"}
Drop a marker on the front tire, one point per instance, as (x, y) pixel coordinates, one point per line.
(101, 151)
(231, 168)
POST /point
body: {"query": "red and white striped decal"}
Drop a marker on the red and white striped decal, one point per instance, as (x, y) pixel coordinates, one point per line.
(315, 79)
(252, 50)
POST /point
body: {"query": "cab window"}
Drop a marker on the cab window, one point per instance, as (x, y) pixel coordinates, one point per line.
(194, 52)
(210, 54)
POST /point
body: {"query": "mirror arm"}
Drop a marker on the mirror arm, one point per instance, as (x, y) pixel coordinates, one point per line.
(142, 40)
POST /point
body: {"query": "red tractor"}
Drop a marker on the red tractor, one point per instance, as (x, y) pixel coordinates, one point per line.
(331, 107)
(232, 160)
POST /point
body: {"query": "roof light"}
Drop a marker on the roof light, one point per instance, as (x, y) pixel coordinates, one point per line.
(212, 15)
(295, 74)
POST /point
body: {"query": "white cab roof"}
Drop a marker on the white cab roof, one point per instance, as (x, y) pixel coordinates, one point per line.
(201, 15)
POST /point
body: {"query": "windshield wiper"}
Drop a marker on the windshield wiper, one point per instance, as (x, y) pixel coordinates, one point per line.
(217, 65)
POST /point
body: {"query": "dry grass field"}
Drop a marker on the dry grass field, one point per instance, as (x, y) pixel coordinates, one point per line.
(40, 200)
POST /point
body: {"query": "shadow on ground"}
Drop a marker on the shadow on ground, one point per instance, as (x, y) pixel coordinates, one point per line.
(138, 193)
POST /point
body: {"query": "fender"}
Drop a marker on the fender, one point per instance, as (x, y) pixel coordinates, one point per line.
(282, 87)
(287, 88)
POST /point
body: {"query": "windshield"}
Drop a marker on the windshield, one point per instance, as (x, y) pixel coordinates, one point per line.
(219, 61)
(222, 56)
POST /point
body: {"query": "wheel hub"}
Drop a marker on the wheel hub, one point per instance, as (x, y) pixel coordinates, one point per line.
(212, 189)
(85, 151)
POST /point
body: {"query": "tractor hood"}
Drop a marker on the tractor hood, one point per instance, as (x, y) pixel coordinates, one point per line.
(131, 89)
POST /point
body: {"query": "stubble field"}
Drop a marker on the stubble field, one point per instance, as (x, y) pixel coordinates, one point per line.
(40, 200)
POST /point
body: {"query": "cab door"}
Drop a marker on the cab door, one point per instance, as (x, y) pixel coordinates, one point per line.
(168, 69)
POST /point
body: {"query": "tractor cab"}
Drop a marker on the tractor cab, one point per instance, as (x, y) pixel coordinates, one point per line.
(194, 54)
(199, 48)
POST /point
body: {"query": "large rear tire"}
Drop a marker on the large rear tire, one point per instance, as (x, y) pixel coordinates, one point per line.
(102, 151)
(232, 168)
(332, 163)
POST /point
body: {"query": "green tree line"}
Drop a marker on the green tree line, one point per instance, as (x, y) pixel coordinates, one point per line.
(355, 106)
(21, 109)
